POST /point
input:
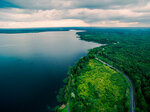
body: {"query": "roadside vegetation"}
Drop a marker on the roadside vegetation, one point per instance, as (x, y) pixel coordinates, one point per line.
(95, 88)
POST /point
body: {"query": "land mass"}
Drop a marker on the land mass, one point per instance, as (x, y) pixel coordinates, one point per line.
(127, 50)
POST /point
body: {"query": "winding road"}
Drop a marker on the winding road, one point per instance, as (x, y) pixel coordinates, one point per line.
(132, 102)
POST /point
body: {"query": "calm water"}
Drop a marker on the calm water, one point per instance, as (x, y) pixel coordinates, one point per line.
(32, 67)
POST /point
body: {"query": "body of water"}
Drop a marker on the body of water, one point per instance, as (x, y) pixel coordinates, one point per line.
(33, 66)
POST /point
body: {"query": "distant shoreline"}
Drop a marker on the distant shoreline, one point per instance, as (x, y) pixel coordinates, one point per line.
(48, 29)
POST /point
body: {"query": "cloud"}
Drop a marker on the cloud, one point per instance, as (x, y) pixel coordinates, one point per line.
(145, 8)
(91, 4)
(81, 13)
(43, 4)
(114, 24)
(112, 13)
(50, 23)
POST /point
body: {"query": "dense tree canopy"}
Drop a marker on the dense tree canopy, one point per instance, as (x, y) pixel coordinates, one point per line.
(125, 49)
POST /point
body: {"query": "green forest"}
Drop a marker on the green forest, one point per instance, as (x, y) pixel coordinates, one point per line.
(129, 51)
(126, 49)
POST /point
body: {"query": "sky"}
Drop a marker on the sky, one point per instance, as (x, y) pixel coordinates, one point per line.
(68, 13)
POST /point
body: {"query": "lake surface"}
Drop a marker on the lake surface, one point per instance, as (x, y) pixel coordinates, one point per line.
(33, 66)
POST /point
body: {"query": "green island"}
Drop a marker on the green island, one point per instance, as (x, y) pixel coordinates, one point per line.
(94, 87)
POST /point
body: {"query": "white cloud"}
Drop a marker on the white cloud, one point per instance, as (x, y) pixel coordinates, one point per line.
(81, 13)
(101, 13)
(50, 23)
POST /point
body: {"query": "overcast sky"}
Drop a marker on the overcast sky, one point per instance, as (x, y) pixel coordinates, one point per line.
(60, 13)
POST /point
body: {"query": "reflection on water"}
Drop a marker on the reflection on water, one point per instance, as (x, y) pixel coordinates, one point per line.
(32, 67)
